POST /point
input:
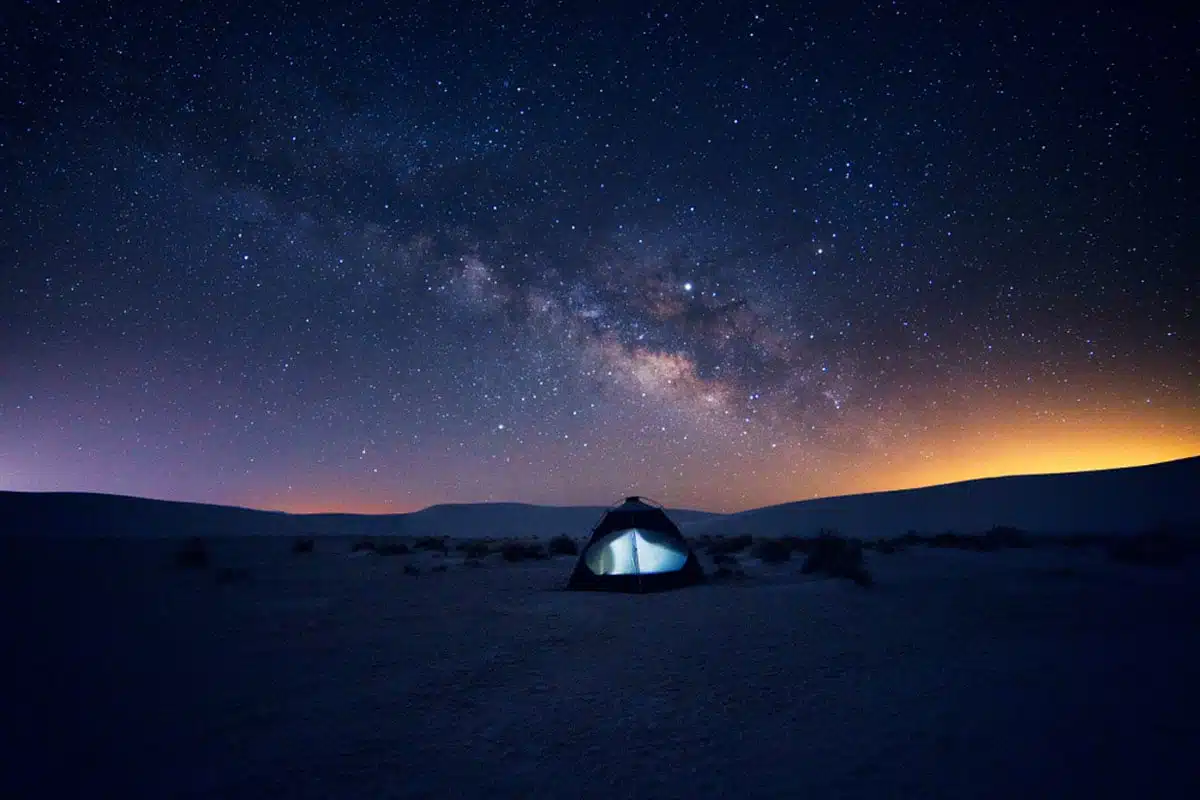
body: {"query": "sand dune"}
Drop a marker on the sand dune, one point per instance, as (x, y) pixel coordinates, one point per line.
(1043, 672)
(1108, 501)
(1120, 500)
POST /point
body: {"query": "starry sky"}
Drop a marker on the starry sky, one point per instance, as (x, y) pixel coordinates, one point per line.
(376, 256)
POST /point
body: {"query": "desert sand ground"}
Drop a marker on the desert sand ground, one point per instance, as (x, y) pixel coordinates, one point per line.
(1034, 673)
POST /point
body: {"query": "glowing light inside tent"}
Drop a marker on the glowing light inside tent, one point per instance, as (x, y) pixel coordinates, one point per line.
(634, 552)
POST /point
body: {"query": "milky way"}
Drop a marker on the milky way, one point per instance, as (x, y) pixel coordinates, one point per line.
(329, 256)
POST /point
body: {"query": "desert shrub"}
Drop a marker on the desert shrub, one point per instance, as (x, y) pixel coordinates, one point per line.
(393, 549)
(911, 538)
(563, 546)
(1158, 548)
(363, 545)
(473, 563)
(732, 544)
(796, 544)
(725, 558)
(439, 568)
(193, 554)
(431, 543)
(837, 557)
(728, 573)
(997, 538)
(772, 551)
(304, 544)
(412, 569)
(885, 546)
(476, 548)
(522, 551)
(949, 539)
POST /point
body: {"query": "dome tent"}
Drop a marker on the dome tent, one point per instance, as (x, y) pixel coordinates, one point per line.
(635, 548)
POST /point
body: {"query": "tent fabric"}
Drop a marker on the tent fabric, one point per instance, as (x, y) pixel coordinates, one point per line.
(635, 548)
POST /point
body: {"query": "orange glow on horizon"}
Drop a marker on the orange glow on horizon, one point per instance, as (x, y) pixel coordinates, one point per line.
(984, 447)
(1039, 447)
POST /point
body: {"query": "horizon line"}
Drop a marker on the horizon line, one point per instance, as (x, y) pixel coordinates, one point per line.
(607, 504)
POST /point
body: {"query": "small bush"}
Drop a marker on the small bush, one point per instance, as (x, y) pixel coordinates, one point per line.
(725, 558)
(439, 568)
(734, 544)
(303, 545)
(193, 554)
(363, 546)
(431, 543)
(885, 546)
(411, 569)
(563, 546)
(473, 563)
(998, 538)
(837, 557)
(797, 544)
(522, 551)
(392, 549)
(949, 539)
(772, 551)
(727, 573)
(475, 549)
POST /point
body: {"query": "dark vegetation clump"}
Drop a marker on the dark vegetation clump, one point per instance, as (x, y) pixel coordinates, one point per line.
(721, 545)
(1002, 537)
(363, 546)
(724, 558)
(772, 551)
(304, 544)
(411, 569)
(522, 551)
(1161, 547)
(952, 540)
(392, 549)
(193, 554)
(474, 548)
(728, 572)
(439, 568)
(837, 557)
(432, 544)
(563, 546)
(473, 563)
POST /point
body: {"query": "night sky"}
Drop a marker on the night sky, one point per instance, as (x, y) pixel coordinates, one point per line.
(371, 257)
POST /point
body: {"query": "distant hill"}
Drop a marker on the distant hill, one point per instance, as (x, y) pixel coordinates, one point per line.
(1113, 501)
(104, 515)
(1124, 500)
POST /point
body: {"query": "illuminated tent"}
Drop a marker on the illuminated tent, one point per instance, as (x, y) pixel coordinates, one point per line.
(635, 548)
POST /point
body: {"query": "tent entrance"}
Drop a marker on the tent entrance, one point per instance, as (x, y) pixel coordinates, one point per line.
(634, 551)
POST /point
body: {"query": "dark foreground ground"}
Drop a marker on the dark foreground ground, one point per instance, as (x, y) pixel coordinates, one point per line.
(1035, 673)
